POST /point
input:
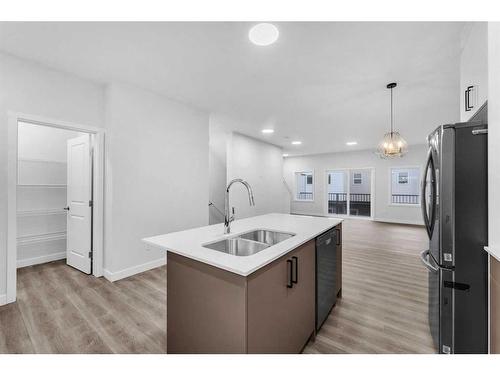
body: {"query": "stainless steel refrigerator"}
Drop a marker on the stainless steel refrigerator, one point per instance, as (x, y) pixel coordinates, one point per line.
(455, 210)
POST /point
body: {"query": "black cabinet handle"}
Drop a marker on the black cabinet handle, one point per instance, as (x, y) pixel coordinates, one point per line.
(290, 277)
(454, 285)
(295, 261)
(338, 236)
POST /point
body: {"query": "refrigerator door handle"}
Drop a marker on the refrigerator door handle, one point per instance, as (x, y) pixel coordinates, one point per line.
(423, 200)
(429, 217)
(424, 257)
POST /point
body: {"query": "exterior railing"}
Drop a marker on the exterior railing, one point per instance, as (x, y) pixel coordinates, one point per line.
(341, 197)
(305, 195)
(405, 199)
(359, 204)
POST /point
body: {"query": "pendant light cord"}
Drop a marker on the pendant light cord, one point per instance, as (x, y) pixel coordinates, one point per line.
(392, 128)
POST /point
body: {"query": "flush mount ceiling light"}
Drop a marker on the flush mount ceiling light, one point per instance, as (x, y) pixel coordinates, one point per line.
(296, 143)
(354, 143)
(285, 155)
(393, 144)
(267, 131)
(263, 34)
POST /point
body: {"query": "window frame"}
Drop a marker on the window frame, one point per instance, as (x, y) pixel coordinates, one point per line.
(295, 187)
(391, 168)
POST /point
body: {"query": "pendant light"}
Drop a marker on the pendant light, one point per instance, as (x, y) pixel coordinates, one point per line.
(392, 145)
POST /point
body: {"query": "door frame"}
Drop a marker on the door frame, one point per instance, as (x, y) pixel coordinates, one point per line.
(372, 192)
(97, 135)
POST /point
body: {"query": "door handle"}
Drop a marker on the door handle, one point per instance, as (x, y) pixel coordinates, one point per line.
(429, 216)
(479, 131)
(66, 208)
(423, 198)
(295, 261)
(454, 285)
(289, 271)
(424, 256)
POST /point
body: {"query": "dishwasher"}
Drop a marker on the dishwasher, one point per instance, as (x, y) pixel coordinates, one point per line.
(326, 275)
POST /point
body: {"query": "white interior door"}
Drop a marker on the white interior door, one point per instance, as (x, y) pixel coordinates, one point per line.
(79, 217)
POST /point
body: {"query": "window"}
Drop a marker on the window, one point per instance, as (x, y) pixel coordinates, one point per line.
(405, 186)
(356, 179)
(304, 185)
(402, 177)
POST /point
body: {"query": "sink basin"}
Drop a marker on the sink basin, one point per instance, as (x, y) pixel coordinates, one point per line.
(237, 246)
(249, 243)
(266, 236)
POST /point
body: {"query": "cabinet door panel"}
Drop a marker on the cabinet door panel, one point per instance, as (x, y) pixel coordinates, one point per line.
(280, 319)
(301, 299)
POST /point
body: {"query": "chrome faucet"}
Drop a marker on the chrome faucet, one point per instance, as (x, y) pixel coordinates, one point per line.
(228, 217)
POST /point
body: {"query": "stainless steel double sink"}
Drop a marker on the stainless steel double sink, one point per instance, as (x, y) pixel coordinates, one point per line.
(249, 243)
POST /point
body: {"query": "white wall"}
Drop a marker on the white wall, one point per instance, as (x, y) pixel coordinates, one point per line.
(494, 138)
(43, 142)
(157, 156)
(33, 89)
(157, 174)
(261, 164)
(217, 167)
(233, 155)
(384, 211)
(474, 65)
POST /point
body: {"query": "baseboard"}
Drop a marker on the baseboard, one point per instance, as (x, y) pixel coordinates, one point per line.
(397, 221)
(3, 299)
(39, 260)
(127, 272)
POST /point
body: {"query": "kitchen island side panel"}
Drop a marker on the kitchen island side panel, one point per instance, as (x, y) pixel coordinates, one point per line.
(206, 308)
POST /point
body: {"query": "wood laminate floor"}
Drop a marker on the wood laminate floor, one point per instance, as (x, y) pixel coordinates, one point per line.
(61, 310)
(383, 308)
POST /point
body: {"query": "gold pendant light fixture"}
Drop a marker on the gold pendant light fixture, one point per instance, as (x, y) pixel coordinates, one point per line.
(393, 144)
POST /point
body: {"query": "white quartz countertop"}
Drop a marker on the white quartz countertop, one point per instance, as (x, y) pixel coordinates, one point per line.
(189, 243)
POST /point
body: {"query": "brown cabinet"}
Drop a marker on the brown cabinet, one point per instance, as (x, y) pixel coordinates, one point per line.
(280, 303)
(210, 310)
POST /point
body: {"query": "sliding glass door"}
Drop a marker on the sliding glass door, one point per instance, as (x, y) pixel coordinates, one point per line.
(337, 192)
(349, 192)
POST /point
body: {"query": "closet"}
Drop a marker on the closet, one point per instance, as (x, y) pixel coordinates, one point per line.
(41, 193)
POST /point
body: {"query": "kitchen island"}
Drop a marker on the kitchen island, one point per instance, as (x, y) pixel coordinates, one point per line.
(252, 294)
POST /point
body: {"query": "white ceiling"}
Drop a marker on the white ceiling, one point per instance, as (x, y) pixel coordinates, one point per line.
(321, 83)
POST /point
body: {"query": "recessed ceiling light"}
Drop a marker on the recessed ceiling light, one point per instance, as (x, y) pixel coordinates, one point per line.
(267, 131)
(296, 143)
(263, 34)
(285, 155)
(354, 143)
